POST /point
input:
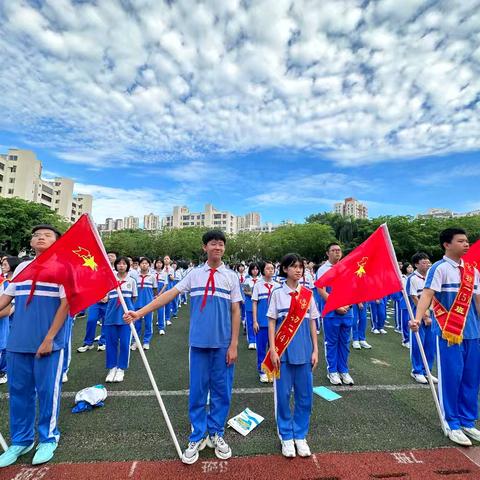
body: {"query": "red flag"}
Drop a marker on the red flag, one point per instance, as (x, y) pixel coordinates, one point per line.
(78, 261)
(473, 255)
(367, 273)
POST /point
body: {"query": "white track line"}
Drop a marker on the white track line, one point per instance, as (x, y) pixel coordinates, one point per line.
(248, 391)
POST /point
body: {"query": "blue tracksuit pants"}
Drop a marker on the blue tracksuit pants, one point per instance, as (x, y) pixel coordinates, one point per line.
(250, 330)
(298, 378)
(359, 323)
(30, 378)
(428, 342)
(458, 381)
(118, 338)
(337, 331)
(209, 373)
(148, 333)
(262, 346)
(96, 312)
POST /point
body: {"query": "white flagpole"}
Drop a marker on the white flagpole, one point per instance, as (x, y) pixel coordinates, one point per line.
(425, 364)
(150, 376)
(3, 443)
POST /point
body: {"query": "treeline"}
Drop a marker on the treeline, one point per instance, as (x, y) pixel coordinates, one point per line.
(310, 239)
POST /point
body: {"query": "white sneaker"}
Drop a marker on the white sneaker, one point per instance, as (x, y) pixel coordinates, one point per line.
(84, 348)
(3, 379)
(133, 347)
(162, 332)
(111, 375)
(318, 332)
(459, 437)
(119, 375)
(303, 449)
(364, 344)
(263, 378)
(419, 378)
(334, 378)
(375, 331)
(383, 331)
(252, 346)
(288, 448)
(64, 378)
(169, 322)
(190, 455)
(356, 346)
(346, 379)
(472, 432)
(146, 346)
(406, 344)
(101, 348)
(222, 450)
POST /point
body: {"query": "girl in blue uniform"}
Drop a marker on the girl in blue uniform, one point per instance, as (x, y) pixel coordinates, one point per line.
(117, 332)
(162, 283)
(253, 272)
(296, 363)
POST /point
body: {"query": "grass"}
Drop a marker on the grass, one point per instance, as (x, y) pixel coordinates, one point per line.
(132, 428)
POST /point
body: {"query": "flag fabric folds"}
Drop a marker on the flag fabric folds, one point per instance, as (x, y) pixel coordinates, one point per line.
(78, 261)
(367, 273)
(473, 255)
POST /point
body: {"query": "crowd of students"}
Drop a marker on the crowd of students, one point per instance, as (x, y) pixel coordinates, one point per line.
(261, 296)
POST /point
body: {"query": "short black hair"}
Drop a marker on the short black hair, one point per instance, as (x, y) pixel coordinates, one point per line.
(112, 251)
(136, 259)
(122, 259)
(13, 262)
(213, 235)
(404, 268)
(264, 264)
(289, 260)
(252, 266)
(446, 236)
(159, 260)
(45, 226)
(331, 244)
(418, 257)
(146, 259)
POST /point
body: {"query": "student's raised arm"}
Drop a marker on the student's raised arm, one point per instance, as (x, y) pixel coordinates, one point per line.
(155, 304)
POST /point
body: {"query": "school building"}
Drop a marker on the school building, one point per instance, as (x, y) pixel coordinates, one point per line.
(21, 177)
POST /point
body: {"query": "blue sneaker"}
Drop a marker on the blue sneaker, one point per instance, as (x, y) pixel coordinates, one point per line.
(44, 453)
(12, 454)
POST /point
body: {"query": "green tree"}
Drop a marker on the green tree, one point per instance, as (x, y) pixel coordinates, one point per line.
(17, 217)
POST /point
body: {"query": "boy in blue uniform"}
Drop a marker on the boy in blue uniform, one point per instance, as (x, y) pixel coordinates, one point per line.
(214, 328)
(458, 363)
(35, 358)
(337, 327)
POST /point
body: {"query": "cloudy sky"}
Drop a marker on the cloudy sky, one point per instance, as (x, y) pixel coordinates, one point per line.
(278, 106)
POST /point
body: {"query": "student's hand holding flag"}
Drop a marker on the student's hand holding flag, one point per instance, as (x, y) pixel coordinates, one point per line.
(131, 316)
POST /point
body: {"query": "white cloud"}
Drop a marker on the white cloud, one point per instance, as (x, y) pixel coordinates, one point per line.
(107, 84)
(447, 176)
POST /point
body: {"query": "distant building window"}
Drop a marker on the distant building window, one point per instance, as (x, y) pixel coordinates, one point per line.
(11, 180)
(2, 166)
(47, 198)
(47, 189)
(13, 158)
(10, 191)
(13, 169)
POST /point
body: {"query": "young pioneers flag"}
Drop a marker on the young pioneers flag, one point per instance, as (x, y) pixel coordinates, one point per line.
(367, 273)
(78, 261)
(473, 255)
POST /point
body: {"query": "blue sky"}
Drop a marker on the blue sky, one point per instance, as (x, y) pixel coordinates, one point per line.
(274, 106)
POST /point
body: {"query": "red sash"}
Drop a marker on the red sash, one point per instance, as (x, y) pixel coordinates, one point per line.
(452, 322)
(288, 328)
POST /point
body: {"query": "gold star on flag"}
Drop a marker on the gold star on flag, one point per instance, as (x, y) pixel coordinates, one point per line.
(90, 262)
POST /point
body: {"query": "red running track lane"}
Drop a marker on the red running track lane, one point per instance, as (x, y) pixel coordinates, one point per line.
(444, 464)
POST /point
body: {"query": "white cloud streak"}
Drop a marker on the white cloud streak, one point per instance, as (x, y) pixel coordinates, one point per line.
(106, 84)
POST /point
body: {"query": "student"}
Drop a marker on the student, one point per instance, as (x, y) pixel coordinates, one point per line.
(262, 292)
(35, 358)
(214, 328)
(378, 314)
(242, 278)
(406, 270)
(253, 272)
(337, 327)
(170, 274)
(147, 289)
(297, 361)
(414, 289)
(9, 264)
(162, 283)
(455, 287)
(117, 333)
(359, 327)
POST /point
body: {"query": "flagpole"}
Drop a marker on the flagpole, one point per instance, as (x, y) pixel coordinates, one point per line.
(150, 376)
(3, 443)
(425, 364)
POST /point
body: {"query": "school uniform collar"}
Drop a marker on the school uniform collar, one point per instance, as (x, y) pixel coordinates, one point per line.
(220, 268)
(328, 264)
(418, 274)
(287, 289)
(453, 263)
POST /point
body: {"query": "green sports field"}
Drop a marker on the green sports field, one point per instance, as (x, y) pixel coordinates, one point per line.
(385, 410)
